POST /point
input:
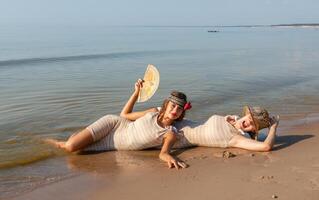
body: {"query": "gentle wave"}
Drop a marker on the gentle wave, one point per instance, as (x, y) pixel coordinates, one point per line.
(28, 149)
(256, 87)
(26, 160)
(66, 58)
(23, 61)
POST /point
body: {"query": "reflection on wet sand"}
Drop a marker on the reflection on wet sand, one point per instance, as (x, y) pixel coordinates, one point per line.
(120, 161)
(113, 161)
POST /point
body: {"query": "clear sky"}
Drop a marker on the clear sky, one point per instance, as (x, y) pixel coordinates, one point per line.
(159, 12)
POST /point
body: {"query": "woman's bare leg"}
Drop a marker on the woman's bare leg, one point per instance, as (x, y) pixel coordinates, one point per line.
(75, 142)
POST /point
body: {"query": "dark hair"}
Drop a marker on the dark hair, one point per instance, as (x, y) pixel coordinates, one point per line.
(177, 94)
(252, 135)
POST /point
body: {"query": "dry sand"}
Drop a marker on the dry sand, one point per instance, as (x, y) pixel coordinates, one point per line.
(290, 171)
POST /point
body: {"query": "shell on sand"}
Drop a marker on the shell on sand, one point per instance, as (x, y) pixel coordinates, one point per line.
(150, 84)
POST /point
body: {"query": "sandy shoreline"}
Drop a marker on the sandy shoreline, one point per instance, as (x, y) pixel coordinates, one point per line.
(291, 171)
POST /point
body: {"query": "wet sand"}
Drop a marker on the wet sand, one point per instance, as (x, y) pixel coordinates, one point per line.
(290, 171)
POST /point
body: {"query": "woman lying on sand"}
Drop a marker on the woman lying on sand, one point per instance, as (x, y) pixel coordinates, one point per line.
(153, 127)
(133, 130)
(230, 131)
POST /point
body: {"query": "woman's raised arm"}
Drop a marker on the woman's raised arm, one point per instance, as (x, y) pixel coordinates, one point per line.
(128, 108)
(249, 144)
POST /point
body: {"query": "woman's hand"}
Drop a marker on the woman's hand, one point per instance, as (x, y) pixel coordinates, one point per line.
(138, 86)
(127, 111)
(168, 141)
(274, 121)
(171, 161)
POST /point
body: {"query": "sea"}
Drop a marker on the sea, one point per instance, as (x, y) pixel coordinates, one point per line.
(56, 80)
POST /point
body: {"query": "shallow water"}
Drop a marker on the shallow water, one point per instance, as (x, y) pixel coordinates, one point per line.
(56, 80)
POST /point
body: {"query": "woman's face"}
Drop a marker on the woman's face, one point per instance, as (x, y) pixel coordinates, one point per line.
(246, 124)
(173, 111)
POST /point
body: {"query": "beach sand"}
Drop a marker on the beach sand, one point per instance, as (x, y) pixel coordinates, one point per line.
(290, 171)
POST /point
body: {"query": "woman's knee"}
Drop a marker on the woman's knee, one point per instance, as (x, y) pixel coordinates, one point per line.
(109, 117)
(79, 141)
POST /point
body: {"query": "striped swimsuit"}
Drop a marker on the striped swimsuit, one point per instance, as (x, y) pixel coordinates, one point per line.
(112, 132)
(215, 132)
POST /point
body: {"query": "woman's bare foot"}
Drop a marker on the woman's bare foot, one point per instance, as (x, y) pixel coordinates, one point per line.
(54, 142)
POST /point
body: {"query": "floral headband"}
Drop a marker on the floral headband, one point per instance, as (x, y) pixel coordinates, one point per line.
(181, 102)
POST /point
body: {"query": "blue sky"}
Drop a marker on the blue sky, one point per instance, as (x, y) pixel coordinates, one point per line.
(160, 12)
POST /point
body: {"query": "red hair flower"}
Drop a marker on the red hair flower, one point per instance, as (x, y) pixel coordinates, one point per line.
(187, 106)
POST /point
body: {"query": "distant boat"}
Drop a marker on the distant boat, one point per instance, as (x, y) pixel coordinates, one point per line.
(212, 31)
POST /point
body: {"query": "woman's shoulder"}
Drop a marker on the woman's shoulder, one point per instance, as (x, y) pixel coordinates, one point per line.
(217, 117)
(226, 118)
(153, 113)
(148, 116)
